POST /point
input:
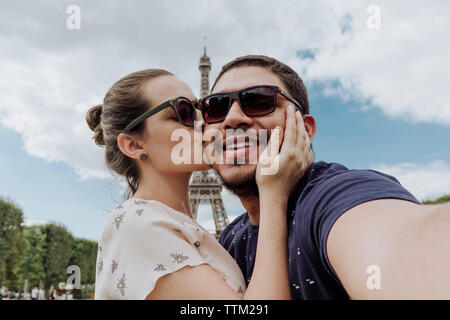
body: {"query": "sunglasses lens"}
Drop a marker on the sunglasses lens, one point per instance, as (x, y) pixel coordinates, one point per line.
(215, 108)
(186, 111)
(258, 101)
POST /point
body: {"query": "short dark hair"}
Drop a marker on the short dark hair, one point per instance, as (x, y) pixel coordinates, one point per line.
(289, 77)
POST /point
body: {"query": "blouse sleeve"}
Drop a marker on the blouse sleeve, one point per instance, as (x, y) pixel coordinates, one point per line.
(142, 244)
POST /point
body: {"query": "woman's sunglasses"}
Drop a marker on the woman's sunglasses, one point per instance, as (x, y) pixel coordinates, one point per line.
(254, 101)
(183, 107)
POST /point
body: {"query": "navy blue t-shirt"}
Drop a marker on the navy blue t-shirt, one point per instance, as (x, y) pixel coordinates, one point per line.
(325, 192)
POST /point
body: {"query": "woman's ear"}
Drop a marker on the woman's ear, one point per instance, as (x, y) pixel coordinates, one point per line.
(130, 145)
(310, 125)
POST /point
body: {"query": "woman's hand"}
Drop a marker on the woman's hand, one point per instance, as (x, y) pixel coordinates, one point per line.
(279, 170)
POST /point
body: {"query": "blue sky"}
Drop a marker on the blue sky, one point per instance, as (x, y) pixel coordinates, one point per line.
(379, 96)
(52, 192)
(361, 139)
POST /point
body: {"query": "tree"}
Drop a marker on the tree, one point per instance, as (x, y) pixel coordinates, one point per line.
(32, 266)
(84, 255)
(58, 251)
(440, 200)
(12, 243)
(40, 252)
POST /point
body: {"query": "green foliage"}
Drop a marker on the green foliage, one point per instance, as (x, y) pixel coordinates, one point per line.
(41, 253)
(32, 266)
(84, 255)
(440, 200)
(12, 243)
(58, 251)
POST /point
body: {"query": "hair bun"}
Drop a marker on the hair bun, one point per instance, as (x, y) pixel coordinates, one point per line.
(93, 119)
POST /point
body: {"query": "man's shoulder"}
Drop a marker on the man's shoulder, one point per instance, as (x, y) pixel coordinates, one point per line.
(319, 173)
(322, 171)
(333, 186)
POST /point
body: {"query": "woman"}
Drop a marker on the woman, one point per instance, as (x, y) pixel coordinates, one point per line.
(151, 247)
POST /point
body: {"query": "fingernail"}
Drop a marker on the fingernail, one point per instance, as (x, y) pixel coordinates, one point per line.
(292, 108)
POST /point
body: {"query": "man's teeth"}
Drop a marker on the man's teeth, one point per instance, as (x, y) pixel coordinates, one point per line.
(240, 145)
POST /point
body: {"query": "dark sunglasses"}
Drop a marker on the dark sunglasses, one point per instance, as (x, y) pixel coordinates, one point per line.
(254, 101)
(183, 107)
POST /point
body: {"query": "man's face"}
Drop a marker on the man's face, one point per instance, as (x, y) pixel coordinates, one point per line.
(240, 178)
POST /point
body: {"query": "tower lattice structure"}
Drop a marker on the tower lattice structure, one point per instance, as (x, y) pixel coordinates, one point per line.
(204, 186)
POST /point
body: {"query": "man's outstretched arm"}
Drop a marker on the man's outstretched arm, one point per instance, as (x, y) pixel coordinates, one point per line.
(392, 249)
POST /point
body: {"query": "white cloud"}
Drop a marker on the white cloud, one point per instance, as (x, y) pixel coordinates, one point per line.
(42, 102)
(401, 68)
(425, 182)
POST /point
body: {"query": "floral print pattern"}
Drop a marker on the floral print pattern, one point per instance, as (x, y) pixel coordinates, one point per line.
(139, 255)
(121, 285)
(114, 266)
(160, 267)
(179, 258)
(118, 220)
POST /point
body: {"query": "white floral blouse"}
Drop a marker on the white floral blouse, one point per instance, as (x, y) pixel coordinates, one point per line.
(144, 240)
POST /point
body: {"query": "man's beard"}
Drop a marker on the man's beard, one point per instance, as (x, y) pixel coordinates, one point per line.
(243, 186)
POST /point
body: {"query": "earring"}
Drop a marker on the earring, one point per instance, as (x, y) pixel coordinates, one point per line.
(143, 157)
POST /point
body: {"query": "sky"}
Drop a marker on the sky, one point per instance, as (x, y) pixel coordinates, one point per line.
(376, 74)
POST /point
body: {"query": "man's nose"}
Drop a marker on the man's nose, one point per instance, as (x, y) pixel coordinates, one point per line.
(236, 117)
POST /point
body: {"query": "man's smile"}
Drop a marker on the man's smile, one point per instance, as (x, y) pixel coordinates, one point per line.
(241, 148)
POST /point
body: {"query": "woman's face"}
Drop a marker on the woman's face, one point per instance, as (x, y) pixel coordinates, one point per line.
(159, 128)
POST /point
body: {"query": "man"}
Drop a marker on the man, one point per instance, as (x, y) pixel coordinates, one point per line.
(352, 233)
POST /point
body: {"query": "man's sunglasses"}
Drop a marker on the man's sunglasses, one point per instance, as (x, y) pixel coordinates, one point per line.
(254, 101)
(183, 107)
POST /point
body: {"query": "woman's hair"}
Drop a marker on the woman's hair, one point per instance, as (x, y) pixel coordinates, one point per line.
(122, 104)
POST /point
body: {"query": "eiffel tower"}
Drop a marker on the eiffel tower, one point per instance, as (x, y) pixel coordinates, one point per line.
(204, 186)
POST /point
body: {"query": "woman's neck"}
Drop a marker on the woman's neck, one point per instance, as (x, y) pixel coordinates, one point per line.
(170, 188)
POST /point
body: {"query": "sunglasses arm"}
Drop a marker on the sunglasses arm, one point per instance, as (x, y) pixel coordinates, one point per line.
(293, 101)
(147, 114)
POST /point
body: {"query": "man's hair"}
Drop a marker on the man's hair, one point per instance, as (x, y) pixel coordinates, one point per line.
(289, 77)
